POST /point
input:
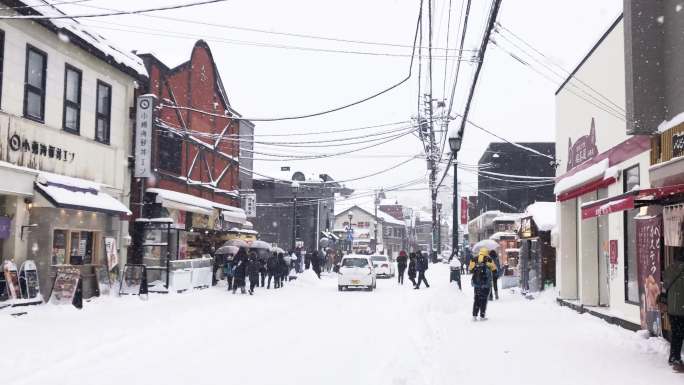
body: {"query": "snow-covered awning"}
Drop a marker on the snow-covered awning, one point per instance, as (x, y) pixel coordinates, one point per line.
(180, 201)
(232, 214)
(590, 179)
(79, 194)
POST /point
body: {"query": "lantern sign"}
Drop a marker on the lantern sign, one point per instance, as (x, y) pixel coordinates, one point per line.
(143, 136)
(249, 205)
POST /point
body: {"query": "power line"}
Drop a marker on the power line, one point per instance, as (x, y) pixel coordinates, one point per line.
(335, 109)
(552, 62)
(189, 36)
(256, 30)
(111, 13)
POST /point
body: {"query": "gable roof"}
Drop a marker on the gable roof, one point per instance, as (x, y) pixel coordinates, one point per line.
(149, 59)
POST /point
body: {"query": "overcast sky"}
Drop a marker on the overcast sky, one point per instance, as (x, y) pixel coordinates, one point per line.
(511, 99)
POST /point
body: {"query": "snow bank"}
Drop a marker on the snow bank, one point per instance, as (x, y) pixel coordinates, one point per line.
(308, 278)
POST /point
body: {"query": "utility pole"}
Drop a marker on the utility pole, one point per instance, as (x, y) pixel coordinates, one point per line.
(375, 226)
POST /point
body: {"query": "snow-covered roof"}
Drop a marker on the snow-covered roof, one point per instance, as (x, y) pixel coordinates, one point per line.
(389, 202)
(342, 206)
(97, 42)
(497, 236)
(75, 193)
(675, 121)
(507, 217)
(543, 214)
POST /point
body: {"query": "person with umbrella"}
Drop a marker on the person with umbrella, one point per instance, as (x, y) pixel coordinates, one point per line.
(240, 263)
(481, 270)
(412, 269)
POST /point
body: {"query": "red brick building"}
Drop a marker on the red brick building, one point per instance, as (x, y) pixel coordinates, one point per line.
(194, 163)
(192, 151)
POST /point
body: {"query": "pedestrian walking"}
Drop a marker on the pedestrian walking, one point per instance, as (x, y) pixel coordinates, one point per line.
(402, 261)
(283, 270)
(240, 270)
(455, 272)
(253, 267)
(421, 267)
(673, 284)
(481, 269)
(495, 275)
(468, 257)
(262, 268)
(316, 263)
(412, 268)
(272, 269)
(229, 271)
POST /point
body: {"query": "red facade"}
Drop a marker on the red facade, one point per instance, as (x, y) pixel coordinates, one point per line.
(195, 146)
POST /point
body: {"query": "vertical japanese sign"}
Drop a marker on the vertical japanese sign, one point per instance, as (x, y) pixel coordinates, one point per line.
(649, 231)
(250, 205)
(464, 210)
(110, 250)
(143, 136)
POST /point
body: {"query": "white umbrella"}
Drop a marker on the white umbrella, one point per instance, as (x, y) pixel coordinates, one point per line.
(277, 250)
(260, 245)
(237, 243)
(487, 244)
(227, 249)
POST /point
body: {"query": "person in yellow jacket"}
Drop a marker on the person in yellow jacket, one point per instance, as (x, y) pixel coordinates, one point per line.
(482, 269)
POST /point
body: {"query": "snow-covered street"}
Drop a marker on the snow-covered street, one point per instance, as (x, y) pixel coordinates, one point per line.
(309, 333)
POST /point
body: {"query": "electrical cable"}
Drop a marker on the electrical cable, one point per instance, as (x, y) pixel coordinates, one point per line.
(111, 13)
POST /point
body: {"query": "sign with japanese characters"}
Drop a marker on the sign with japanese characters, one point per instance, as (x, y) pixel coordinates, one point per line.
(649, 231)
(250, 205)
(143, 136)
(677, 145)
(583, 149)
(673, 220)
(23, 144)
(110, 250)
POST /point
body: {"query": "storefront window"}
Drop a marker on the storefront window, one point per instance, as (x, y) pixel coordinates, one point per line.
(630, 180)
(59, 246)
(81, 245)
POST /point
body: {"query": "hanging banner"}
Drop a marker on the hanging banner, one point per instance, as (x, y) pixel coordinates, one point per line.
(110, 249)
(143, 136)
(464, 210)
(648, 232)
(673, 222)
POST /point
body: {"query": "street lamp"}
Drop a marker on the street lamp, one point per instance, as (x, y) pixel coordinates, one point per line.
(455, 139)
(350, 236)
(295, 190)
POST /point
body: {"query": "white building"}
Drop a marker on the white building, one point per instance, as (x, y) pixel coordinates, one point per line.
(65, 142)
(596, 256)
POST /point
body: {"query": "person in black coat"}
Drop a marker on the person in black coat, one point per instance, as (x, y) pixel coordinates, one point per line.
(316, 263)
(283, 271)
(402, 260)
(273, 270)
(421, 266)
(412, 268)
(252, 269)
(495, 275)
(240, 270)
(262, 268)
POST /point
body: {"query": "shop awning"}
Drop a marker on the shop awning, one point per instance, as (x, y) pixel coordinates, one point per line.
(630, 200)
(180, 201)
(232, 214)
(590, 179)
(78, 194)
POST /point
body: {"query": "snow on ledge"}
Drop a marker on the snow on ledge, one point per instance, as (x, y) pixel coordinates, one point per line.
(590, 174)
(667, 124)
